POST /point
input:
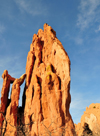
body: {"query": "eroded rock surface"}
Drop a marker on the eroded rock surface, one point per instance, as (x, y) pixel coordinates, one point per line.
(91, 118)
(7, 79)
(9, 110)
(48, 86)
(46, 97)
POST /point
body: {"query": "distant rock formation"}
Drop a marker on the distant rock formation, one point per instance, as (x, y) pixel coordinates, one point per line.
(90, 121)
(46, 97)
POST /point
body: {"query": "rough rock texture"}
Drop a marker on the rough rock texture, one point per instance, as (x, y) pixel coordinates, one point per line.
(46, 97)
(9, 110)
(91, 117)
(48, 86)
(7, 79)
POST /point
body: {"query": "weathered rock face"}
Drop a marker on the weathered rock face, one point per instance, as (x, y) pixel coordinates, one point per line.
(91, 118)
(46, 97)
(7, 79)
(48, 86)
(9, 108)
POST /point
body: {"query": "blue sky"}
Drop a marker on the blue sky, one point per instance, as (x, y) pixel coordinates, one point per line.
(77, 25)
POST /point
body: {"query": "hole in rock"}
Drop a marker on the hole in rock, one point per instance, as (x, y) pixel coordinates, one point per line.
(24, 97)
(54, 52)
(10, 90)
(53, 69)
(87, 129)
(22, 87)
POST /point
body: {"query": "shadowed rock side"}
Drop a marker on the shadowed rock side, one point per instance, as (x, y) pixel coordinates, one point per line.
(90, 121)
(47, 91)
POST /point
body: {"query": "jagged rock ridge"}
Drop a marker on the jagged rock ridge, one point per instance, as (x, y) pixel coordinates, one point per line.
(46, 97)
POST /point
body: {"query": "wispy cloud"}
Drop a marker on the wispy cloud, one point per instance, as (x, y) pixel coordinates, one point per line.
(34, 7)
(88, 11)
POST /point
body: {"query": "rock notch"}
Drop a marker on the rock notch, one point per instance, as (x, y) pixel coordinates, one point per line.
(46, 97)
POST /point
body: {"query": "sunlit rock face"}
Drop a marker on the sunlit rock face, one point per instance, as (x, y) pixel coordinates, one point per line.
(47, 94)
(90, 121)
(46, 97)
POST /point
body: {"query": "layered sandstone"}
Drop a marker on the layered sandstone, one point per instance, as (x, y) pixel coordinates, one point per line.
(91, 118)
(46, 97)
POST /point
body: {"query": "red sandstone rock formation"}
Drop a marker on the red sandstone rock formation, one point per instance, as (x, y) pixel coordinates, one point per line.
(91, 118)
(46, 98)
(48, 86)
(7, 79)
(10, 119)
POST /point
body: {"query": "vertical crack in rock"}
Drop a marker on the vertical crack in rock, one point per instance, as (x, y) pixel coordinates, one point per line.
(24, 97)
(32, 92)
(32, 70)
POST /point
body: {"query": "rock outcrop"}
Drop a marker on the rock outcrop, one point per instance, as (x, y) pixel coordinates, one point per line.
(9, 108)
(90, 121)
(48, 86)
(7, 79)
(46, 97)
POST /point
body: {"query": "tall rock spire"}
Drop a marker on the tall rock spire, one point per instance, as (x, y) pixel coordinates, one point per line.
(48, 85)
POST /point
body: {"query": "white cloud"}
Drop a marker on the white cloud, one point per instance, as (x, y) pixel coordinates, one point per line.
(34, 8)
(88, 11)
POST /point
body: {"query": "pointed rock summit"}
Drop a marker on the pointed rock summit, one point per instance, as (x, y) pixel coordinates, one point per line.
(46, 97)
